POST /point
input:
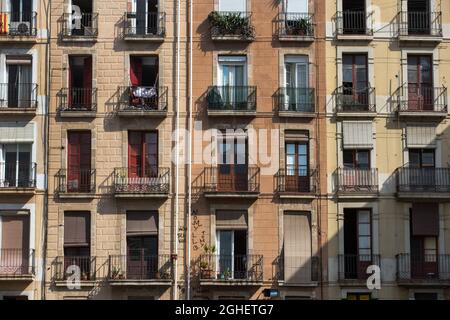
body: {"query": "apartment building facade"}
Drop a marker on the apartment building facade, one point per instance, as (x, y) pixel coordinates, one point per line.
(22, 151)
(387, 109)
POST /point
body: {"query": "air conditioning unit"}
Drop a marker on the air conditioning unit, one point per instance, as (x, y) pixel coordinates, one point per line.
(20, 28)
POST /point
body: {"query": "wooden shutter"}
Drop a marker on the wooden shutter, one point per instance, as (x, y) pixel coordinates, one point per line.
(134, 153)
(15, 231)
(142, 223)
(85, 150)
(73, 158)
(297, 247)
(425, 219)
(135, 71)
(229, 219)
(77, 229)
(87, 82)
(357, 134)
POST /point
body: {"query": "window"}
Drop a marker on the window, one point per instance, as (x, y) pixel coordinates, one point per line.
(419, 17)
(233, 5)
(297, 82)
(20, 11)
(420, 82)
(358, 296)
(355, 81)
(80, 82)
(297, 166)
(144, 17)
(356, 159)
(79, 161)
(16, 169)
(232, 81)
(81, 26)
(144, 79)
(354, 16)
(142, 154)
(296, 6)
(421, 158)
(77, 242)
(20, 87)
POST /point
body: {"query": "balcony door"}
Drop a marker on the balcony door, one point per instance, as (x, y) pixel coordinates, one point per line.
(355, 82)
(79, 161)
(144, 79)
(357, 243)
(422, 165)
(21, 15)
(232, 248)
(146, 21)
(356, 172)
(16, 169)
(233, 81)
(233, 5)
(420, 83)
(354, 16)
(80, 21)
(14, 249)
(77, 242)
(19, 72)
(297, 167)
(233, 163)
(142, 154)
(419, 17)
(80, 83)
(297, 83)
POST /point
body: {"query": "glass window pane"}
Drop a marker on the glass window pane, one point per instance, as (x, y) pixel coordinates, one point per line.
(290, 148)
(364, 242)
(363, 216)
(364, 229)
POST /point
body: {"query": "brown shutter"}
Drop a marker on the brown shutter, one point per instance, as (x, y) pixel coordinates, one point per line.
(297, 247)
(15, 231)
(228, 219)
(142, 223)
(296, 135)
(76, 229)
(425, 219)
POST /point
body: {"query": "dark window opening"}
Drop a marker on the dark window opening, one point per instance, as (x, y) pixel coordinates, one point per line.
(233, 163)
(232, 254)
(85, 24)
(354, 16)
(144, 79)
(79, 161)
(146, 17)
(356, 159)
(142, 154)
(297, 167)
(80, 82)
(420, 83)
(419, 19)
(19, 82)
(355, 82)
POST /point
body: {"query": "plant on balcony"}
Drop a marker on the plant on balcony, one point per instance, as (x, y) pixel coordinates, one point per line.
(298, 27)
(231, 24)
(117, 273)
(206, 269)
(226, 275)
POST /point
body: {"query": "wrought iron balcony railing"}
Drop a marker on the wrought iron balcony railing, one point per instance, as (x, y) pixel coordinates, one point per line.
(298, 269)
(237, 25)
(153, 180)
(144, 25)
(296, 99)
(16, 262)
(423, 180)
(352, 100)
(296, 181)
(18, 95)
(357, 180)
(232, 178)
(354, 266)
(423, 268)
(232, 98)
(291, 24)
(64, 267)
(78, 99)
(420, 99)
(420, 23)
(231, 267)
(140, 264)
(141, 98)
(17, 175)
(76, 180)
(17, 24)
(84, 25)
(353, 23)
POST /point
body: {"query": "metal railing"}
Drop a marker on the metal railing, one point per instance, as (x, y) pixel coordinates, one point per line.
(232, 98)
(296, 99)
(16, 262)
(17, 175)
(357, 180)
(426, 267)
(423, 179)
(420, 23)
(232, 178)
(354, 266)
(78, 99)
(84, 25)
(144, 24)
(141, 98)
(295, 24)
(231, 267)
(353, 23)
(153, 180)
(350, 99)
(419, 98)
(231, 23)
(18, 23)
(18, 95)
(297, 269)
(64, 267)
(77, 180)
(140, 264)
(296, 181)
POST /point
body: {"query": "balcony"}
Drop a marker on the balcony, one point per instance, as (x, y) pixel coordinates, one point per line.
(351, 102)
(296, 102)
(17, 264)
(423, 183)
(423, 270)
(77, 183)
(18, 26)
(17, 178)
(144, 26)
(231, 26)
(295, 26)
(302, 271)
(231, 181)
(352, 268)
(18, 99)
(140, 268)
(353, 25)
(296, 183)
(67, 266)
(422, 26)
(77, 102)
(231, 270)
(423, 101)
(83, 27)
(357, 183)
(231, 101)
(140, 101)
(154, 183)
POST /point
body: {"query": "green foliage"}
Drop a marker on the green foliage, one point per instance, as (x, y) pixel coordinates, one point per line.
(300, 26)
(231, 23)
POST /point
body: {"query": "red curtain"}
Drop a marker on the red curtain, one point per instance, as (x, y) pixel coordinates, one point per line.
(135, 71)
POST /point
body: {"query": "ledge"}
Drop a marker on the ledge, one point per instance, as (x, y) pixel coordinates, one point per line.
(231, 113)
(143, 283)
(420, 38)
(17, 191)
(21, 278)
(69, 195)
(422, 114)
(63, 283)
(423, 283)
(24, 39)
(126, 195)
(142, 113)
(235, 195)
(285, 38)
(350, 195)
(296, 114)
(79, 39)
(231, 283)
(282, 283)
(424, 196)
(77, 114)
(231, 38)
(18, 111)
(354, 37)
(143, 38)
(340, 114)
(292, 195)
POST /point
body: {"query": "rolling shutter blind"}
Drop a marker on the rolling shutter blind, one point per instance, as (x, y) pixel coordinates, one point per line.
(142, 223)
(76, 229)
(423, 136)
(425, 219)
(232, 5)
(296, 135)
(357, 134)
(15, 231)
(16, 132)
(228, 219)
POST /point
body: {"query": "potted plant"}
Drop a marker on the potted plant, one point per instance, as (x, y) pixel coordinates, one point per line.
(298, 27)
(232, 23)
(205, 267)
